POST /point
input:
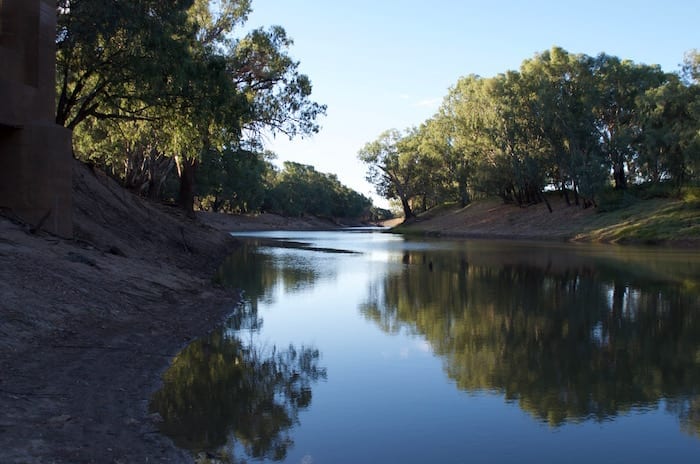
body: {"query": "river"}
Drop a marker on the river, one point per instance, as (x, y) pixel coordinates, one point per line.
(366, 347)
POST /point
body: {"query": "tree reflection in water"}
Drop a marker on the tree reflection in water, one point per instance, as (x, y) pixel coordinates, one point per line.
(258, 273)
(569, 341)
(220, 395)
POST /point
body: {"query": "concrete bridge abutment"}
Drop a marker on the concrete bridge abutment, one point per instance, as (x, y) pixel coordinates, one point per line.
(35, 153)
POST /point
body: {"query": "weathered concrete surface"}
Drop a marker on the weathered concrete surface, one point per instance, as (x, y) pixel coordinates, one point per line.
(35, 153)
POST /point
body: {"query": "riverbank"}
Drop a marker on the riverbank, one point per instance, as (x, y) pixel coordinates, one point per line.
(665, 222)
(87, 326)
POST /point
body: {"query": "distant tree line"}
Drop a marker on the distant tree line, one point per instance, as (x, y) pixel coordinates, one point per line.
(567, 122)
(247, 182)
(174, 101)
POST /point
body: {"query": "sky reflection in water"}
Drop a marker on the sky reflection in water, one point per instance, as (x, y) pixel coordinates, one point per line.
(454, 351)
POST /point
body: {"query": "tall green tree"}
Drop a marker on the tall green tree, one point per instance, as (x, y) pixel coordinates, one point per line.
(266, 92)
(562, 113)
(514, 169)
(117, 59)
(233, 181)
(457, 134)
(177, 66)
(391, 168)
(667, 145)
(620, 83)
(690, 76)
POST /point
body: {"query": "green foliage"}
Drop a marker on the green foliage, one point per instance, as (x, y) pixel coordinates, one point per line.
(691, 195)
(614, 199)
(299, 189)
(117, 59)
(233, 180)
(573, 123)
(149, 84)
(457, 137)
(400, 169)
(377, 214)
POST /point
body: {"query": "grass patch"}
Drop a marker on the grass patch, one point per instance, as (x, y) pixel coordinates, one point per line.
(650, 221)
(614, 200)
(664, 215)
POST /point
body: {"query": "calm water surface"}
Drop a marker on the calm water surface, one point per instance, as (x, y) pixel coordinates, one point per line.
(358, 347)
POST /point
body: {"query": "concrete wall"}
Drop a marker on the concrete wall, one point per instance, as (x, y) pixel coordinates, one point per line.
(35, 153)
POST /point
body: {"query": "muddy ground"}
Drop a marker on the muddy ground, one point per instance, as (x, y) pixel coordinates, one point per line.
(87, 326)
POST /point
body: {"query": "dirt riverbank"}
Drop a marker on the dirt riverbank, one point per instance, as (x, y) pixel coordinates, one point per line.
(664, 222)
(88, 325)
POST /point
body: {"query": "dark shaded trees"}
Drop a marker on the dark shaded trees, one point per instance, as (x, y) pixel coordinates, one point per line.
(620, 83)
(117, 60)
(167, 80)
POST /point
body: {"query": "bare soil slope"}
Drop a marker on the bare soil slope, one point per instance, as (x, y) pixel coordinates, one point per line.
(88, 325)
(657, 221)
(493, 219)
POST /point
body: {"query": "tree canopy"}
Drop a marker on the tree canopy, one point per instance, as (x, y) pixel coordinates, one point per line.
(151, 88)
(563, 122)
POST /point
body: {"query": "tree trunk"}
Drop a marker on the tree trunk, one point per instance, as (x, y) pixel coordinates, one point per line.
(160, 167)
(186, 169)
(619, 176)
(543, 197)
(407, 212)
(565, 193)
(463, 192)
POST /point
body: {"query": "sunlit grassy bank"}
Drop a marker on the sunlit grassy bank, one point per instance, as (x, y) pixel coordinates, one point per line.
(627, 217)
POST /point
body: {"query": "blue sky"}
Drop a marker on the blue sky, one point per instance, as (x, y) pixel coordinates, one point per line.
(387, 64)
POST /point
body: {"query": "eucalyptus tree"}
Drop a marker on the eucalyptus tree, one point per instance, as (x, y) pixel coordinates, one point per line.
(276, 92)
(620, 83)
(250, 85)
(514, 169)
(299, 189)
(137, 73)
(562, 114)
(691, 78)
(116, 60)
(392, 171)
(233, 180)
(667, 145)
(119, 70)
(429, 181)
(178, 66)
(133, 151)
(436, 142)
(457, 134)
(690, 71)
